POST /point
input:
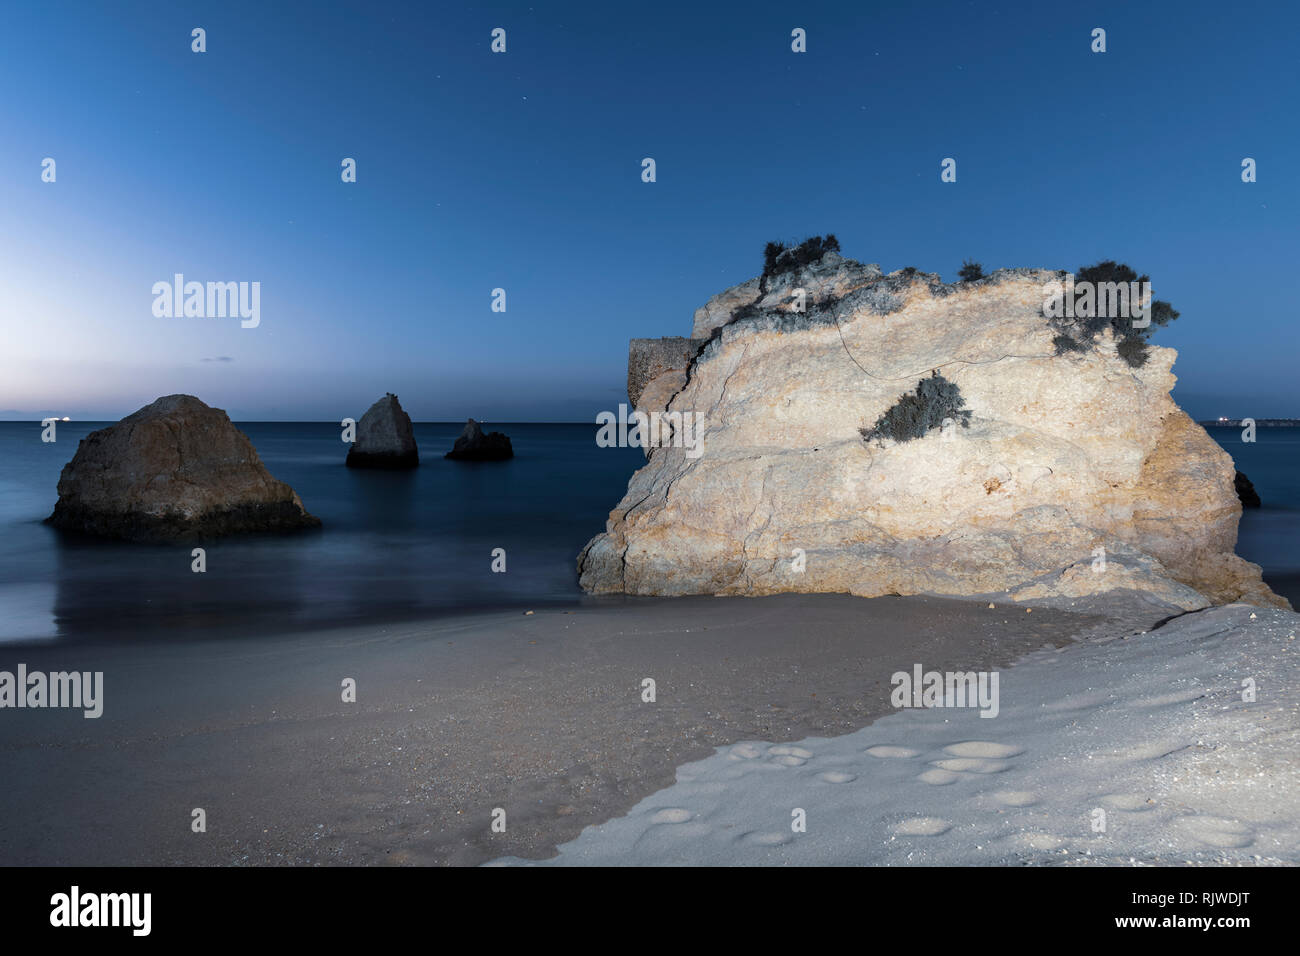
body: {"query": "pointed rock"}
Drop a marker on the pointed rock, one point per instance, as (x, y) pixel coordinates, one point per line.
(384, 438)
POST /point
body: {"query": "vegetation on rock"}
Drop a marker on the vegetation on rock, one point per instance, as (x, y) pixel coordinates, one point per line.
(779, 258)
(1076, 333)
(915, 413)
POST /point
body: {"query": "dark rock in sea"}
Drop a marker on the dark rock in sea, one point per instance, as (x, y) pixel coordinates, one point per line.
(1246, 492)
(384, 438)
(174, 470)
(476, 445)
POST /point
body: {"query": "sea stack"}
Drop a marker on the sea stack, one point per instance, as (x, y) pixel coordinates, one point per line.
(876, 434)
(176, 469)
(384, 438)
(474, 444)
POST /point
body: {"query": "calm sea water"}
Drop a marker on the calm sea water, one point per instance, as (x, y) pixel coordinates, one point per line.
(1270, 536)
(394, 545)
(400, 545)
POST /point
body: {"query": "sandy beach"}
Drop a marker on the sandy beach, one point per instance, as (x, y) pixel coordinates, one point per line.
(538, 714)
(1139, 750)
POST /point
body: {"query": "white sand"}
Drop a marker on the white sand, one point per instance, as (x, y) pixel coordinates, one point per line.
(1150, 729)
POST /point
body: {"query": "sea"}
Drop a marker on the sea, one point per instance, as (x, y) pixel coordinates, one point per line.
(399, 546)
(394, 545)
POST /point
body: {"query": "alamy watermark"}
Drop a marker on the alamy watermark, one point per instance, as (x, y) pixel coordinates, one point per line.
(1111, 300)
(73, 689)
(946, 689)
(76, 908)
(212, 300)
(655, 430)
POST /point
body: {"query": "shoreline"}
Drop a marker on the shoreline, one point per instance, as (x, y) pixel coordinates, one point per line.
(539, 714)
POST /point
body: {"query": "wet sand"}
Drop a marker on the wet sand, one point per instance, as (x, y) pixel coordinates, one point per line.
(540, 715)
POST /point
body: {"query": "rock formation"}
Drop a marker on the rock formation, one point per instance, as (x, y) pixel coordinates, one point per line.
(830, 277)
(1072, 474)
(1246, 492)
(384, 438)
(175, 469)
(473, 444)
(661, 362)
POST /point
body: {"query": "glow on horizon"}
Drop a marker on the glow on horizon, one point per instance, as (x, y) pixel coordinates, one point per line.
(528, 178)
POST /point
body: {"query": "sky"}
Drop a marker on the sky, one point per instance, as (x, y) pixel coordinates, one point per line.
(522, 171)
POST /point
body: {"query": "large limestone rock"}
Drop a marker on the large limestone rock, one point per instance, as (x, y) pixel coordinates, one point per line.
(384, 437)
(175, 469)
(1077, 474)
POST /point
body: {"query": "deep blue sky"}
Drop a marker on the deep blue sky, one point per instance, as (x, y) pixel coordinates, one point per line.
(522, 171)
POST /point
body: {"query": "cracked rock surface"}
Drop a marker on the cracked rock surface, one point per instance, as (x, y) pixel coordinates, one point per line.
(1078, 474)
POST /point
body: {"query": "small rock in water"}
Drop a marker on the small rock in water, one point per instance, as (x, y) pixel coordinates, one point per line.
(384, 438)
(1246, 492)
(476, 445)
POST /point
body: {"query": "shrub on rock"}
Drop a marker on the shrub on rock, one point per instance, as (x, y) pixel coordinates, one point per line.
(915, 413)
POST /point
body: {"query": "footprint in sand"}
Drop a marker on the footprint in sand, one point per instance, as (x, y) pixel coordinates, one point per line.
(672, 815)
(923, 826)
(785, 750)
(790, 756)
(766, 839)
(972, 765)
(983, 748)
(1216, 831)
(885, 751)
(745, 752)
(1016, 798)
(837, 776)
(939, 778)
(1126, 801)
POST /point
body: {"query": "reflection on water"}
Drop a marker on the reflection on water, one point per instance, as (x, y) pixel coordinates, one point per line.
(27, 612)
(400, 544)
(394, 544)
